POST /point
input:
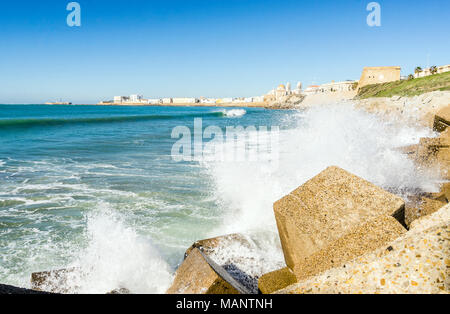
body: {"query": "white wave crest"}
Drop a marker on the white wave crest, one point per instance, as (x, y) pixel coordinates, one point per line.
(234, 113)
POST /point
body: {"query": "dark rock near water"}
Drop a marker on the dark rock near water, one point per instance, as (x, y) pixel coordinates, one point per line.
(5, 289)
(120, 291)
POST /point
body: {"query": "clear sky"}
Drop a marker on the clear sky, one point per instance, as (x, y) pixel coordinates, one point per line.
(213, 48)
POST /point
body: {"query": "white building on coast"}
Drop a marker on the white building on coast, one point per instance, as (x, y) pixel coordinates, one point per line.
(185, 100)
(136, 98)
(283, 91)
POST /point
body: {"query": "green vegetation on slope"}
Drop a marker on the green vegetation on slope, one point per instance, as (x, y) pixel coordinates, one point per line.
(437, 82)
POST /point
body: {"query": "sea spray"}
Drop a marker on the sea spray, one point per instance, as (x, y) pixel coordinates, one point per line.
(117, 258)
(234, 113)
(340, 135)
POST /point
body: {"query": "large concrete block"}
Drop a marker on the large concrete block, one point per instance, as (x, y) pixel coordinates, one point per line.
(54, 281)
(200, 275)
(359, 241)
(209, 246)
(276, 280)
(326, 208)
(236, 253)
(429, 148)
(421, 206)
(60, 281)
(435, 153)
(442, 119)
(443, 195)
(416, 263)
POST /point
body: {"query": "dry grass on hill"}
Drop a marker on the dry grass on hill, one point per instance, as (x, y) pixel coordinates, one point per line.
(437, 82)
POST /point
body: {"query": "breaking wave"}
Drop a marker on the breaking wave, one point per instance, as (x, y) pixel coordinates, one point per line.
(116, 258)
(44, 122)
(234, 113)
(359, 142)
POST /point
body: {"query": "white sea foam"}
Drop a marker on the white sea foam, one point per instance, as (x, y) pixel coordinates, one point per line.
(117, 257)
(340, 135)
(234, 113)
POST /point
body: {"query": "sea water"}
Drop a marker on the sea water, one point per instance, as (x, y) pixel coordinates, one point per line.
(96, 187)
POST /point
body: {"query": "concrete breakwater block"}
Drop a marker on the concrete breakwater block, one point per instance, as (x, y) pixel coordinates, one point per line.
(430, 149)
(443, 195)
(198, 274)
(442, 119)
(276, 280)
(59, 281)
(425, 222)
(422, 206)
(417, 262)
(209, 246)
(359, 241)
(52, 281)
(242, 256)
(326, 208)
(435, 153)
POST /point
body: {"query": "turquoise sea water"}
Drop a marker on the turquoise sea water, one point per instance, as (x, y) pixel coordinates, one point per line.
(96, 188)
(69, 174)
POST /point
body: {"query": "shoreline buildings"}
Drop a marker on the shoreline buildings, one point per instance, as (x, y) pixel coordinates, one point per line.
(282, 93)
(346, 86)
(427, 71)
(139, 100)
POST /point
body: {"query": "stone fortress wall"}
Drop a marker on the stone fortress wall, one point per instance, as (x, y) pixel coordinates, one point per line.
(377, 75)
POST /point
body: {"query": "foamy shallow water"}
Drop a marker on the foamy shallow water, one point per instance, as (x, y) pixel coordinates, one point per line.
(105, 196)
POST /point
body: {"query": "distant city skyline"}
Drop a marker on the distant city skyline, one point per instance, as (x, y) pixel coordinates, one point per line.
(194, 48)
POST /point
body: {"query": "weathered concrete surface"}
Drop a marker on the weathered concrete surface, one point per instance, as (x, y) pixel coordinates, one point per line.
(51, 281)
(199, 275)
(425, 222)
(421, 206)
(443, 195)
(442, 119)
(359, 241)
(239, 255)
(417, 262)
(325, 208)
(276, 280)
(209, 246)
(435, 153)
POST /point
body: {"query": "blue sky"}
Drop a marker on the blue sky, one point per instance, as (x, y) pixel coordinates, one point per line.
(213, 48)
